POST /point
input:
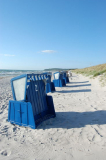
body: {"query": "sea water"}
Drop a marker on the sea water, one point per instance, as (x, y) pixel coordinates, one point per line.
(14, 73)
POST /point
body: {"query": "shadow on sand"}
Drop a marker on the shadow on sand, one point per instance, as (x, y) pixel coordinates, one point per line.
(74, 91)
(75, 119)
(84, 85)
(79, 82)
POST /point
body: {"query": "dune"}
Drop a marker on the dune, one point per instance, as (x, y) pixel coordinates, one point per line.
(77, 133)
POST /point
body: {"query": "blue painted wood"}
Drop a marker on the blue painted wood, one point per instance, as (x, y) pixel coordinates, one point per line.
(17, 113)
(65, 77)
(48, 88)
(36, 108)
(49, 85)
(31, 120)
(22, 114)
(52, 87)
(11, 113)
(64, 82)
(32, 96)
(25, 116)
(50, 105)
(61, 81)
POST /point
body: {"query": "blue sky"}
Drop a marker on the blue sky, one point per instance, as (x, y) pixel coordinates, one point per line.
(39, 34)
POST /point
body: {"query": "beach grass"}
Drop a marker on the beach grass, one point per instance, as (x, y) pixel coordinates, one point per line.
(94, 71)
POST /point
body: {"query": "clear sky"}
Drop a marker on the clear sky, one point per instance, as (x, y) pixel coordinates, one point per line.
(39, 34)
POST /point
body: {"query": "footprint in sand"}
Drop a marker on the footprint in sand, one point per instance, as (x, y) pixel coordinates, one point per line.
(5, 153)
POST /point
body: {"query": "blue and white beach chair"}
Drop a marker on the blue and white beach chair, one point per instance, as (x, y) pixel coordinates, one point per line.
(49, 85)
(65, 77)
(58, 80)
(31, 105)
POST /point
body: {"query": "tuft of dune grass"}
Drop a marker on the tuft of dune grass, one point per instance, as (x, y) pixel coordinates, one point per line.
(94, 71)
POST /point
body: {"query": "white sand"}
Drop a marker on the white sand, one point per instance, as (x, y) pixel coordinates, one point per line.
(77, 133)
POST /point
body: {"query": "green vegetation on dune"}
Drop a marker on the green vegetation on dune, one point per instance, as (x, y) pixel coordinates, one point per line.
(99, 73)
(94, 71)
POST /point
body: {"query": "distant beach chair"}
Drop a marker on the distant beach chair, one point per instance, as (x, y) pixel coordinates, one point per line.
(65, 77)
(31, 105)
(69, 74)
(58, 79)
(49, 85)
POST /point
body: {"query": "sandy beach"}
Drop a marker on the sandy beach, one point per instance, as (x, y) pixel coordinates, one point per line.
(77, 133)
